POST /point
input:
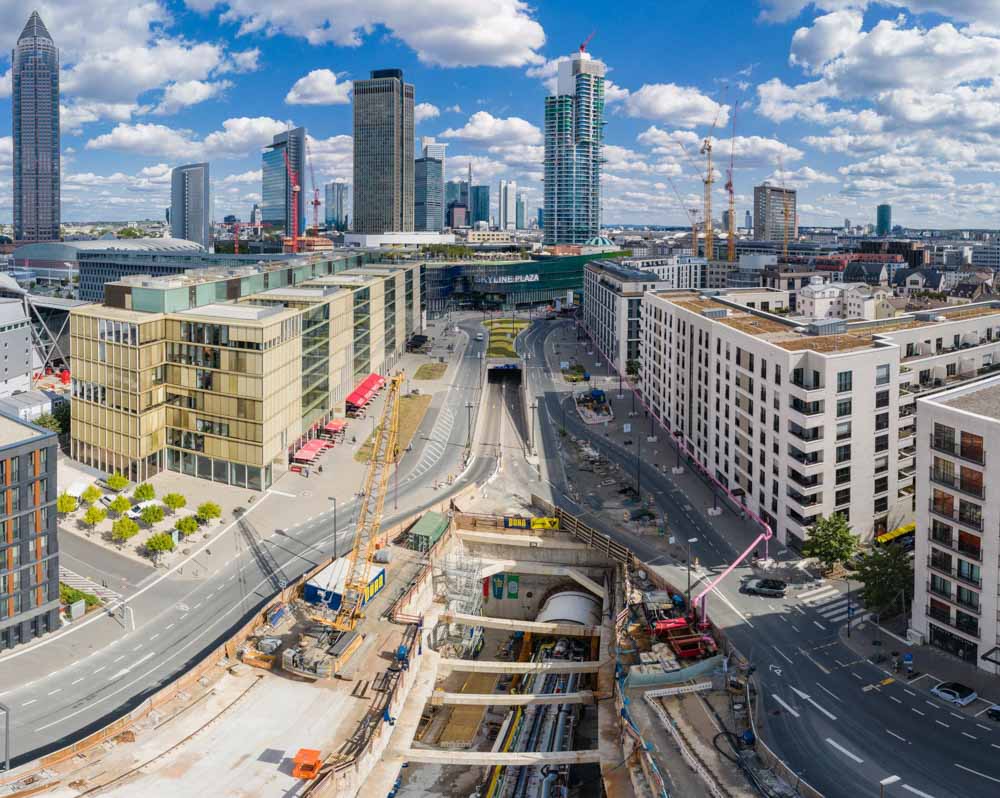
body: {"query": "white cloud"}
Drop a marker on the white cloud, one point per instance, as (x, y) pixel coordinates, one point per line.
(757, 150)
(682, 106)
(442, 32)
(828, 37)
(801, 177)
(6, 151)
(77, 113)
(485, 128)
(5, 84)
(319, 87)
(333, 158)
(177, 96)
(424, 111)
(252, 177)
(519, 154)
(239, 137)
(613, 93)
(245, 61)
(454, 109)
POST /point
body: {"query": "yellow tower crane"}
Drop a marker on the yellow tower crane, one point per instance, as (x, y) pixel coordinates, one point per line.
(708, 180)
(731, 249)
(384, 454)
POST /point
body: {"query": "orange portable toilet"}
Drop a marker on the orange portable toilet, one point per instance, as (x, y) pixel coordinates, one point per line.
(306, 764)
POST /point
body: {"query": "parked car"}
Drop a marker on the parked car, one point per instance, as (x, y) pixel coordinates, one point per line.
(107, 498)
(479, 336)
(993, 712)
(955, 693)
(774, 588)
(136, 512)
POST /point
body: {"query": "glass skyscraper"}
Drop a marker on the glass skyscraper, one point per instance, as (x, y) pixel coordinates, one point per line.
(479, 197)
(35, 103)
(336, 205)
(428, 195)
(574, 137)
(191, 203)
(276, 188)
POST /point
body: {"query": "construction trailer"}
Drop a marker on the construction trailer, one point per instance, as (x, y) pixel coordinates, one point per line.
(427, 531)
(327, 588)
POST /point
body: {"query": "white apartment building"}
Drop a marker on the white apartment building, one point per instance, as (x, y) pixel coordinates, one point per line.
(806, 420)
(823, 300)
(612, 308)
(675, 271)
(958, 523)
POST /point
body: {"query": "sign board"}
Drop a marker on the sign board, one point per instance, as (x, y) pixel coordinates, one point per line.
(502, 279)
(544, 523)
(513, 585)
(564, 364)
(498, 586)
(558, 304)
(515, 522)
(626, 428)
(908, 658)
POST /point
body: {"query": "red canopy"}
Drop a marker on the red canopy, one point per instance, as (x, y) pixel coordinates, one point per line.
(361, 395)
(336, 425)
(309, 451)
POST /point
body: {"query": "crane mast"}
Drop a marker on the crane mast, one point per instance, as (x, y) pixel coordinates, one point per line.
(293, 178)
(731, 248)
(706, 150)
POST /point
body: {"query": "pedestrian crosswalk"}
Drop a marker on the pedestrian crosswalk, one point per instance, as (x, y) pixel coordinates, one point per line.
(105, 594)
(436, 444)
(828, 602)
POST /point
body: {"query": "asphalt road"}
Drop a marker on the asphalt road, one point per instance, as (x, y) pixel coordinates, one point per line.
(828, 715)
(56, 709)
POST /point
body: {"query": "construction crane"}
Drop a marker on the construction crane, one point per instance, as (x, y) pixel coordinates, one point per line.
(786, 201)
(708, 180)
(236, 238)
(583, 47)
(293, 179)
(315, 200)
(731, 248)
(384, 454)
(693, 213)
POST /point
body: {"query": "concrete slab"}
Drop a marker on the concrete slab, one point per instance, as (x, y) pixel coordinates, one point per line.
(472, 758)
(441, 698)
(535, 627)
(497, 666)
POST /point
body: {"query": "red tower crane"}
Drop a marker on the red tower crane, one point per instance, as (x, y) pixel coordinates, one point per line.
(583, 47)
(293, 178)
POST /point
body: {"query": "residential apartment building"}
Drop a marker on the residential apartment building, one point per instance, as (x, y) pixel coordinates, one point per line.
(29, 547)
(774, 213)
(612, 308)
(807, 420)
(677, 271)
(823, 300)
(383, 153)
(16, 347)
(955, 604)
(221, 373)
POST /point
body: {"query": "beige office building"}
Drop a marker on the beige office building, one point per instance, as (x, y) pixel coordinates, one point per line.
(223, 373)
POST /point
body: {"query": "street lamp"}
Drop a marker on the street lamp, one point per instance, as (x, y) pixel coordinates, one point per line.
(887, 781)
(531, 433)
(687, 602)
(334, 526)
(850, 607)
(468, 412)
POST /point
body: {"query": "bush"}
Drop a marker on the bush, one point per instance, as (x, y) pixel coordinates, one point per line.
(208, 511)
(187, 525)
(143, 493)
(123, 529)
(49, 421)
(116, 481)
(94, 516)
(91, 494)
(120, 504)
(174, 501)
(152, 514)
(66, 503)
(70, 595)
(159, 543)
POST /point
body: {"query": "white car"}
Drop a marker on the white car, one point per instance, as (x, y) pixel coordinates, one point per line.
(136, 512)
(107, 498)
(955, 693)
(479, 336)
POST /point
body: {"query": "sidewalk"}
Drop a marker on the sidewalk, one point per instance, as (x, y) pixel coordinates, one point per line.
(937, 665)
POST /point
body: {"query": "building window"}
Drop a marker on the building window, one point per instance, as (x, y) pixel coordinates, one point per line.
(845, 381)
(882, 374)
(882, 399)
(842, 496)
(843, 407)
(881, 421)
(882, 443)
(843, 475)
(881, 484)
(881, 504)
(844, 453)
(843, 430)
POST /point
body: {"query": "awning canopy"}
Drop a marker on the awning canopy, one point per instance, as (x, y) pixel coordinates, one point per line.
(366, 389)
(337, 425)
(898, 532)
(308, 452)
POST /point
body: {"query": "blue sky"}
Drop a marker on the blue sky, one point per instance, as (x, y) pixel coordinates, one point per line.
(849, 101)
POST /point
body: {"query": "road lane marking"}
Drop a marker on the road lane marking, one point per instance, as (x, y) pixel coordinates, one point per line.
(137, 647)
(196, 606)
(154, 637)
(916, 792)
(971, 737)
(118, 660)
(895, 735)
(168, 628)
(942, 723)
(932, 704)
(77, 681)
(970, 770)
(909, 691)
(817, 591)
(893, 698)
(956, 715)
(806, 697)
(918, 712)
(783, 654)
(820, 625)
(57, 690)
(856, 676)
(995, 745)
(984, 728)
(778, 699)
(799, 609)
(814, 662)
(26, 703)
(794, 626)
(984, 710)
(845, 752)
(828, 692)
(100, 669)
(841, 664)
(731, 606)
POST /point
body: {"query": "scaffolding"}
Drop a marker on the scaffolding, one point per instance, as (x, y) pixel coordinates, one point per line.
(457, 585)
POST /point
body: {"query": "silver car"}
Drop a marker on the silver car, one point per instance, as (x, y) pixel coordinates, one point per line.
(955, 693)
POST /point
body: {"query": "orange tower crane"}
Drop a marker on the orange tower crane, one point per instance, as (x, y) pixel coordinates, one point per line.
(293, 178)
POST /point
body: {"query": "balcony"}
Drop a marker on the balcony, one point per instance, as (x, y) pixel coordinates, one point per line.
(938, 592)
(954, 482)
(974, 454)
(806, 461)
(949, 514)
(805, 435)
(803, 521)
(939, 615)
(802, 501)
(907, 452)
(805, 392)
(806, 483)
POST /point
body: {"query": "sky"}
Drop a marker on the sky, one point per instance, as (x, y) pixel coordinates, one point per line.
(853, 103)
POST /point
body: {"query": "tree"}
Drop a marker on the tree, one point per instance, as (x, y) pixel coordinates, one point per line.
(174, 501)
(887, 573)
(49, 421)
(187, 525)
(152, 514)
(159, 543)
(123, 529)
(143, 493)
(120, 504)
(66, 503)
(116, 481)
(61, 413)
(207, 511)
(94, 515)
(129, 232)
(91, 494)
(632, 368)
(831, 541)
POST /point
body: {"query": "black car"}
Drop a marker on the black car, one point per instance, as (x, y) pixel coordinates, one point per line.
(774, 588)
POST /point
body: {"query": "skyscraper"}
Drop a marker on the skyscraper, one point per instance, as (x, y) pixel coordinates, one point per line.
(277, 194)
(428, 195)
(479, 199)
(191, 203)
(748, 221)
(254, 215)
(574, 133)
(336, 205)
(507, 211)
(519, 216)
(383, 153)
(774, 212)
(883, 220)
(432, 148)
(35, 105)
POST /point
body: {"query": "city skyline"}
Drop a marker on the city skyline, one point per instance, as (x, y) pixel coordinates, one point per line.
(815, 86)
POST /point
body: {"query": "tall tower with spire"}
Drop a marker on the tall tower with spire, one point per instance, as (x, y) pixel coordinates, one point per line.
(35, 105)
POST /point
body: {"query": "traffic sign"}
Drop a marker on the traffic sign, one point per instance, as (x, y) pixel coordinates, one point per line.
(907, 657)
